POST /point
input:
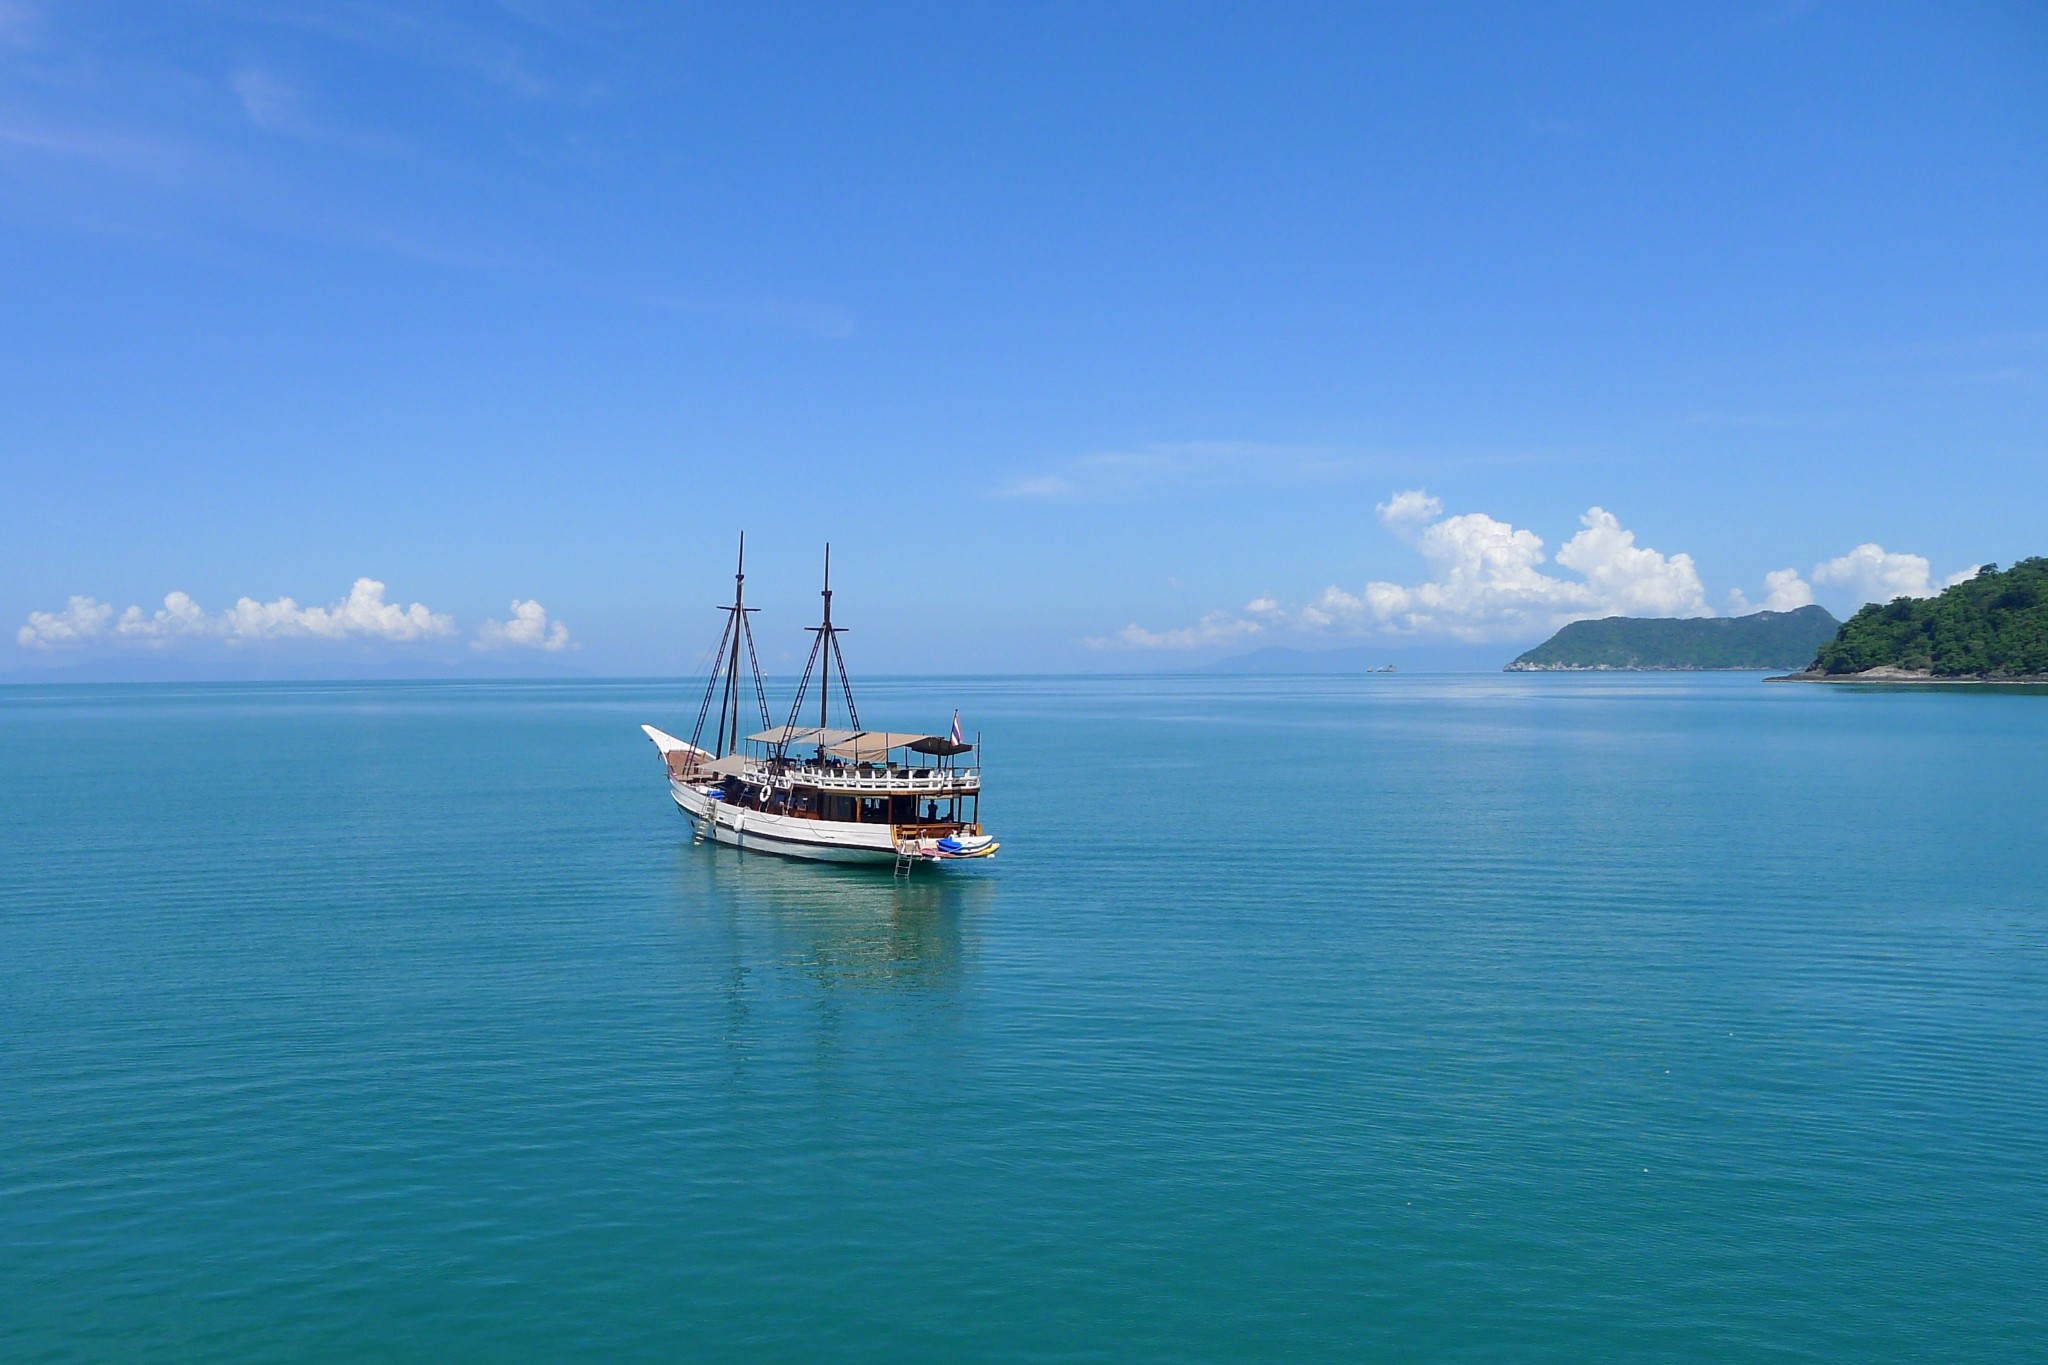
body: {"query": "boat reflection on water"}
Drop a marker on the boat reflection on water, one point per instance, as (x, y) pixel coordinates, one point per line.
(814, 958)
(845, 929)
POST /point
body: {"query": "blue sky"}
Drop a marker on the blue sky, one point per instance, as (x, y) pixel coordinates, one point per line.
(1095, 337)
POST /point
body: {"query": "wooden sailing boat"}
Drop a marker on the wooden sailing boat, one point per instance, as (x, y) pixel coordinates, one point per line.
(831, 793)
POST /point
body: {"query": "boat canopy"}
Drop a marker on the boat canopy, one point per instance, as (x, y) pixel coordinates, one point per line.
(858, 744)
(801, 734)
(873, 744)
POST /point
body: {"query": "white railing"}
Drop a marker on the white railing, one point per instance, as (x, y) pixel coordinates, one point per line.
(854, 780)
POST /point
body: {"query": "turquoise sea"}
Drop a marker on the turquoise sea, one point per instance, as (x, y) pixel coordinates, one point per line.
(1505, 1018)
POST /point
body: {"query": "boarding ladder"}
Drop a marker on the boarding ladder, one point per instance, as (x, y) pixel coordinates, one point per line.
(707, 823)
(906, 856)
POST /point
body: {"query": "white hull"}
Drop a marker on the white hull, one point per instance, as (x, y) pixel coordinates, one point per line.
(828, 841)
(825, 841)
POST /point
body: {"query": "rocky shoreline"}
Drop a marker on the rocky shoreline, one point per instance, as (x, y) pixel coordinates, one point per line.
(1519, 667)
(1912, 677)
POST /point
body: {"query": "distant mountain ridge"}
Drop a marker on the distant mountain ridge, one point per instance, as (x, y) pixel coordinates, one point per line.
(1277, 659)
(1400, 656)
(1760, 641)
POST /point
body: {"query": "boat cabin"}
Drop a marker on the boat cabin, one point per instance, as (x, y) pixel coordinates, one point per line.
(912, 782)
(915, 784)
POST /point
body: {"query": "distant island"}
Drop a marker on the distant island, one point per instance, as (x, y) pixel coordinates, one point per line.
(1760, 641)
(1990, 628)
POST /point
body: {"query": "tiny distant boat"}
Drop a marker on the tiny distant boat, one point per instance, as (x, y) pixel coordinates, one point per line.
(831, 793)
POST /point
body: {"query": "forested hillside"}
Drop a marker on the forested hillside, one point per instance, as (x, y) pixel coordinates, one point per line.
(1994, 625)
(1764, 639)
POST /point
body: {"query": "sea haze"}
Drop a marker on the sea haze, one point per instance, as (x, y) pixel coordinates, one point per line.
(1511, 1017)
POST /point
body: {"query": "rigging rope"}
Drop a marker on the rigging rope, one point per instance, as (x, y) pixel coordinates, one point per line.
(760, 693)
(803, 685)
(845, 685)
(711, 683)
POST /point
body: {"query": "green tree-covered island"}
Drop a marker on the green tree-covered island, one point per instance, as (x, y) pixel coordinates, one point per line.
(1991, 628)
(1760, 641)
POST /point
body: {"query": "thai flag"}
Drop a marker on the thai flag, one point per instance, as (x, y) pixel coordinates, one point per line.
(956, 729)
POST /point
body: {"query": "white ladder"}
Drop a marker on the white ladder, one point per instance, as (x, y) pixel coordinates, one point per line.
(707, 823)
(905, 858)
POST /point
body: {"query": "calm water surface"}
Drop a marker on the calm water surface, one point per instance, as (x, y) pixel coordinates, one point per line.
(1503, 1018)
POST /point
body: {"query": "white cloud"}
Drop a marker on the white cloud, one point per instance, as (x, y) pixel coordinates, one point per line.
(363, 614)
(1875, 575)
(180, 616)
(1218, 627)
(1482, 579)
(82, 619)
(1868, 573)
(1784, 590)
(1038, 486)
(529, 628)
(1484, 583)
(1629, 579)
(1406, 513)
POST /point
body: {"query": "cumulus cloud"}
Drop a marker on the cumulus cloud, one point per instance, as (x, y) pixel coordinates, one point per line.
(529, 628)
(1875, 575)
(1872, 574)
(1218, 627)
(362, 615)
(83, 619)
(1784, 590)
(1629, 579)
(1485, 581)
(1483, 577)
(1406, 513)
(1489, 580)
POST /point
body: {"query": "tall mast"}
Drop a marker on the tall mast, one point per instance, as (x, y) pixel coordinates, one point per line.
(724, 681)
(732, 667)
(825, 631)
(825, 658)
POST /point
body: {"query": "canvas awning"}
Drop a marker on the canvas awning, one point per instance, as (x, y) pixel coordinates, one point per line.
(873, 743)
(854, 744)
(802, 734)
(732, 765)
